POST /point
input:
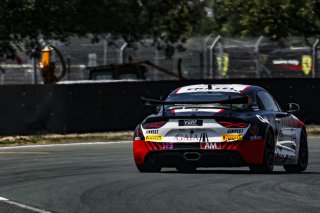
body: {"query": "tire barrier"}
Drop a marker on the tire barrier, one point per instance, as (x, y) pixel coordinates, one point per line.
(98, 107)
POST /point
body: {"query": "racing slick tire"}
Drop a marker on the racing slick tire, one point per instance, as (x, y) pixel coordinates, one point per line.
(303, 156)
(268, 156)
(148, 167)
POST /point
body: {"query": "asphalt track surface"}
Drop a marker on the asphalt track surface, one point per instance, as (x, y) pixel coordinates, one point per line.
(103, 178)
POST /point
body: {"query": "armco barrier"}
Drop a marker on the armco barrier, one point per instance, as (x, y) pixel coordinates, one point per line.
(36, 109)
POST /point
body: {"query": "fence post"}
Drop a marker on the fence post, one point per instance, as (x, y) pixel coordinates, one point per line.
(156, 60)
(256, 50)
(105, 51)
(105, 48)
(315, 58)
(205, 56)
(122, 49)
(35, 70)
(2, 75)
(68, 67)
(212, 46)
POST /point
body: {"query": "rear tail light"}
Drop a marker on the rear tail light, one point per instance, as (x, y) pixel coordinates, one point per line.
(229, 124)
(154, 125)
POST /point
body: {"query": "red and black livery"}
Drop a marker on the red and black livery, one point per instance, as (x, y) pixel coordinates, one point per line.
(220, 125)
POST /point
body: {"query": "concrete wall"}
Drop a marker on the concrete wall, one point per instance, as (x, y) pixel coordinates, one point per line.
(35, 109)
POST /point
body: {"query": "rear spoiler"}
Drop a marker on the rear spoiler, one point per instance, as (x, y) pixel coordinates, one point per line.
(230, 100)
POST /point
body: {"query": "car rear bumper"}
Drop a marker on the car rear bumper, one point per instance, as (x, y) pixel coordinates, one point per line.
(203, 158)
(231, 154)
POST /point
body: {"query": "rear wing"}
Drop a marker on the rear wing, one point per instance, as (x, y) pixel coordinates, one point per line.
(228, 100)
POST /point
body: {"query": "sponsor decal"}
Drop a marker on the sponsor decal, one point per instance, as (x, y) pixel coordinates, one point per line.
(204, 137)
(290, 62)
(263, 119)
(167, 145)
(235, 130)
(137, 138)
(190, 122)
(211, 146)
(152, 131)
(214, 88)
(186, 137)
(223, 63)
(255, 137)
(280, 155)
(306, 64)
(232, 137)
(154, 138)
(254, 130)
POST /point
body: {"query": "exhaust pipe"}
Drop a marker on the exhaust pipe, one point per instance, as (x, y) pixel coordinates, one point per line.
(191, 156)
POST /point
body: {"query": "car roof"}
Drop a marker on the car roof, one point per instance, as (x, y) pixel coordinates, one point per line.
(230, 88)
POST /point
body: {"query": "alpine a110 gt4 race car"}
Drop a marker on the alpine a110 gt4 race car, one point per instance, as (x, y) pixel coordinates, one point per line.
(220, 125)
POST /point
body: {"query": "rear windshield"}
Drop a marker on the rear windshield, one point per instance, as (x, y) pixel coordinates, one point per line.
(202, 96)
(197, 98)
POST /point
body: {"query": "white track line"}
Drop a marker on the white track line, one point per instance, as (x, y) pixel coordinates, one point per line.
(65, 144)
(23, 206)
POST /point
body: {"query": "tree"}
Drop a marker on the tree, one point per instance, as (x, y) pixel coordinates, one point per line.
(273, 18)
(23, 23)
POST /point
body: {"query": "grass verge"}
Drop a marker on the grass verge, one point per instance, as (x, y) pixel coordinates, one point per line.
(313, 129)
(70, 138)
(92, 137)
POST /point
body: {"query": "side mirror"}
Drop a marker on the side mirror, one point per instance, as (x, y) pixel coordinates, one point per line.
(293, 107)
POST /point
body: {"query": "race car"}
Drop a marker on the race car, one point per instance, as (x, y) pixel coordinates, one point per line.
(220, 125)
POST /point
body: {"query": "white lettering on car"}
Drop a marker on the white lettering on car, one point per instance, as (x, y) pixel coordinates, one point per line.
(235, 131)
(186, 137)
(152, 131)
(211, 146)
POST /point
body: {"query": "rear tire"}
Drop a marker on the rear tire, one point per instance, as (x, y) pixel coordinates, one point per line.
(268, 156)
(303, 156)
(148, 168)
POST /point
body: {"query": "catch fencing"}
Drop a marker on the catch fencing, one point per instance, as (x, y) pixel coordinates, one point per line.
(211, 57)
